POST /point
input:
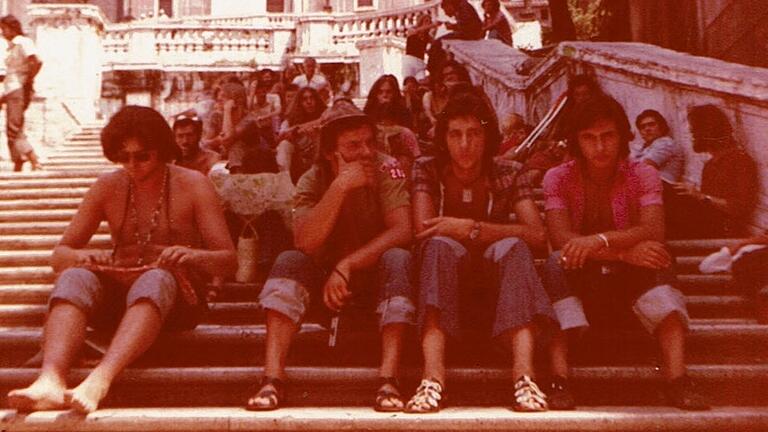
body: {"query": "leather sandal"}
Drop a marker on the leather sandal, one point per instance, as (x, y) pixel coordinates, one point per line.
(273, 396)
(383, 395)
(528, 396)
(428, 398)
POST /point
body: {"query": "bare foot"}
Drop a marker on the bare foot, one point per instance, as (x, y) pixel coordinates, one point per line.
(43, 395)
(86, 397)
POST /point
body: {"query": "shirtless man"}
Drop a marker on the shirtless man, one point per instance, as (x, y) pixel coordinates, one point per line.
(187, 130)
(161, 216)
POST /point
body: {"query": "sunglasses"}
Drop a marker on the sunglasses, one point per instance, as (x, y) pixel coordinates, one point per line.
(193, 118)
(137, 156)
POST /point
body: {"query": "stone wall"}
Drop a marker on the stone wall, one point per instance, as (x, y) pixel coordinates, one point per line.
(639, 76)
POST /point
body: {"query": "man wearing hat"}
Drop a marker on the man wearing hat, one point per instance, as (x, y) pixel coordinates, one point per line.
(351, 221)
(187, 131)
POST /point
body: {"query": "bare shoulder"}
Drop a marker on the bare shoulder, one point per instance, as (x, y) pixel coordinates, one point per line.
(106, 184)
(186, 176)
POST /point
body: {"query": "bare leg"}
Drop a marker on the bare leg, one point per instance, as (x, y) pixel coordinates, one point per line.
(137, 332)
(280, 331)
(391, 348)
(520, 341)
(433, 345)
(63, 337)
(671, 335)
(558, 354)
(34, 161)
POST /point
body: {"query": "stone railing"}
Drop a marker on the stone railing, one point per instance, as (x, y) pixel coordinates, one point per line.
(640, 77)
(347, 31)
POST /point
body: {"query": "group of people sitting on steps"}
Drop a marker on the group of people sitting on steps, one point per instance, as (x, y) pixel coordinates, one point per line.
(443, 234)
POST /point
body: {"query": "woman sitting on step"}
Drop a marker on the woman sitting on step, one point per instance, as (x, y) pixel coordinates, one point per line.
(166, 224)
(462, 199)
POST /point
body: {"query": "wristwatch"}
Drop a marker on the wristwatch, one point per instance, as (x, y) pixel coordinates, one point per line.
(474, 233)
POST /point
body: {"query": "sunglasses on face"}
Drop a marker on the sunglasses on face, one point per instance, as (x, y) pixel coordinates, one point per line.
(137, 156)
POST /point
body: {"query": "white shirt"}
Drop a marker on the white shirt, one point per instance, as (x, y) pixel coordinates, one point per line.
(318, 81)
(16, 64)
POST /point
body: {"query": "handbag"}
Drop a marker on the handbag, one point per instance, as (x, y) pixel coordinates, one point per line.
(247, 253)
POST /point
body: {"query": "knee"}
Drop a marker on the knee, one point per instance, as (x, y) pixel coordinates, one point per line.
(509, 248)
(79, 287)
(443, 246)
(396, 310)
(158, 286)
(659, 303)
(285, 296)
(289, 262)
(395, 259)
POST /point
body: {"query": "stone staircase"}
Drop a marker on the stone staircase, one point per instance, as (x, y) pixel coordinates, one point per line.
(198, 380)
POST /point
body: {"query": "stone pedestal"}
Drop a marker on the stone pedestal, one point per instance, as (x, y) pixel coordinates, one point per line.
(379, 57)
(68, 39)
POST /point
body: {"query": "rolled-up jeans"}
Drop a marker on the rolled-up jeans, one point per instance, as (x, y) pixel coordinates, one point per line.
(648, 293)
(295, 276)
(507, 271)
(18, 146)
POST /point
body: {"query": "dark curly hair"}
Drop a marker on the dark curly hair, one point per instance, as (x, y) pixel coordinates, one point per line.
(467, 105)
(143, 124)
(600, 107)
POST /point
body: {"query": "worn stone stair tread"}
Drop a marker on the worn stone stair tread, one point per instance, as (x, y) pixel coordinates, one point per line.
(25, 293)
(79, 182)
(33, 313)
(43, 193)
(328, 374)
(47, 204)
(36, 215)
(43, 241)
(53, 174)
(334, 419)
(40, 227)
(706, 329)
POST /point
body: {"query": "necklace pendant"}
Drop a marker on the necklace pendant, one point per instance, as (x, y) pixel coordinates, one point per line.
(466, 195)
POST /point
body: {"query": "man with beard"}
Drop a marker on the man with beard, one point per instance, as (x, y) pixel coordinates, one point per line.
(188, 130)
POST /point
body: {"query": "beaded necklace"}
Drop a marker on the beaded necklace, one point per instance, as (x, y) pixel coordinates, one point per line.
(143, 240)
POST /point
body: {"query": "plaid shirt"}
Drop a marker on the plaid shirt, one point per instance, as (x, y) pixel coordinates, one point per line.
(507, 186)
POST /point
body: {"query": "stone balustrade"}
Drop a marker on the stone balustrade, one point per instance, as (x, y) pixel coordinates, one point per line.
(640, 77)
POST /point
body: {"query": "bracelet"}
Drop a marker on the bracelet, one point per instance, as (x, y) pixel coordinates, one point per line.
(604, 238)
(338, 272)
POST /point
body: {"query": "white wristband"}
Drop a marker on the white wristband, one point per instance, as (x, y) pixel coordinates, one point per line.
(604, 238)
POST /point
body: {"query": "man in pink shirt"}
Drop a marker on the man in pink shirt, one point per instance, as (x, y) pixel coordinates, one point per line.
(606, 222)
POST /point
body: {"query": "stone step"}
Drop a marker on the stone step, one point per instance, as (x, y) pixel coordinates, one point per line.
(76, 160)
(79, 166)
(334, 419)
(25, 293)
(64, 215)
(27, 258)
(83, 182)
(76, 153)
(45, 241)
(43, 193)
(48, 204)
(53, 174)
(470, 386)
(17, 312)
(12, 228)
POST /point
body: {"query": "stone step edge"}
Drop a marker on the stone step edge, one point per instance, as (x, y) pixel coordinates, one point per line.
(334, 419)
(706, 329)
(330, 374)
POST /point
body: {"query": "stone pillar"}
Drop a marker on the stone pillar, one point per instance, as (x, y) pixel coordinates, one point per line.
(68, 38)
(378, 57)
(315, 34)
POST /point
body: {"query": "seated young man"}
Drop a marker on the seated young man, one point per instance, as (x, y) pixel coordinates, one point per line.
(606, 222)
(728, 194)
(187, 131)
(351, 221)
(462, 201)
(166, 225)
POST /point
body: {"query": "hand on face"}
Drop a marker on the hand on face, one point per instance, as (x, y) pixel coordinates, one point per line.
(356, 174)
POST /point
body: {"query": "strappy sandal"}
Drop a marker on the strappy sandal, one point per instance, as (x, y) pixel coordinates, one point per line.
(528, 396)
(273, 396)
(428, 398)
(383, 395)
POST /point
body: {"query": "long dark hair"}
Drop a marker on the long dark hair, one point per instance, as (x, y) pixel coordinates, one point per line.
(463, 105)
(396, 110)
(663, 125)
(297, 115)
(12, 23)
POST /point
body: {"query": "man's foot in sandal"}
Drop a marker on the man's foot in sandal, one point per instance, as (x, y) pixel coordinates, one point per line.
(388, 397)
(528, 396)
(428, 398)
(268, 396)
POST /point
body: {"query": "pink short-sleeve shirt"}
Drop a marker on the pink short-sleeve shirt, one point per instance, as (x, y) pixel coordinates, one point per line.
(637, 185)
